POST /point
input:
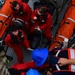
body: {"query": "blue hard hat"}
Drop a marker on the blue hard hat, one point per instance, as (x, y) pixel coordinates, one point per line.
(33, 72)
(39, 56)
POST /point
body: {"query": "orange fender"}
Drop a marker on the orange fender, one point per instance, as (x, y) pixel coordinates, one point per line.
(55, 42)
(4, 27)
(5, 14)
(66, 27)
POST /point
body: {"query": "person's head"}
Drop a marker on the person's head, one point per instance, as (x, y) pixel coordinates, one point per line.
(15, 30)
(39, 56)
(42, 10)
(15, 5)
(19, 23)
(33, 72)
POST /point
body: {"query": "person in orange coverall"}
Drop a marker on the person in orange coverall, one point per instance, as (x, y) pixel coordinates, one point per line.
(16, 69)
(22, 12)
(16, 39)
(66, 29)
(21, 69)
(42, 21)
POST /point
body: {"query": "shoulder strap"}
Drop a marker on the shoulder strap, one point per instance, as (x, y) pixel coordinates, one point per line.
(14, 38)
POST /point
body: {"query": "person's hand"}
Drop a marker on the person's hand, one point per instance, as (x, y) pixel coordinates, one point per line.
(13, 19)
(38, 28)
(35, 18)
(63, 61)
(26, 22)
(49, 73)
(30, 49)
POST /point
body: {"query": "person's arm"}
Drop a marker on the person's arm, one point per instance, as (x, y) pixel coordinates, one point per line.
(28, 12)
(65, 61)
(33, 17)
(8, 40)
(25, 66)
(45, 25)
(25, 41)
(49, 73)
(48, 22)
(13, 16)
